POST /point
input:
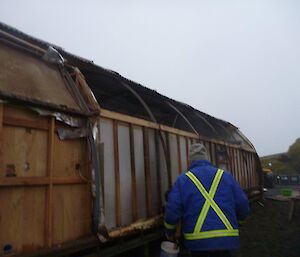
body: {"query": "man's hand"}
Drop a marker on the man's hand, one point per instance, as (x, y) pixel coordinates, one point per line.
(171, 238)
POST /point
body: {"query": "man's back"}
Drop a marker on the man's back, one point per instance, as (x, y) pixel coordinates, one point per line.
(208, 201)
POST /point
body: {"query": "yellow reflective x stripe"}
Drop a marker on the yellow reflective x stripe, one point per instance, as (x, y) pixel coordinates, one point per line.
(211, 234)
(206, 205)
(169, 226)
(209, 201)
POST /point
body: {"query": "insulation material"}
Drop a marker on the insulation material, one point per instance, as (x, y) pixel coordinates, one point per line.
(36, 80)
(139, 171)
(106, 130)
(125, 174)
(183, 154)
(174, 157)
(153, 171)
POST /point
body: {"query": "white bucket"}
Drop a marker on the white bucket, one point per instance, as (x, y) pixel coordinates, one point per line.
(168, 249)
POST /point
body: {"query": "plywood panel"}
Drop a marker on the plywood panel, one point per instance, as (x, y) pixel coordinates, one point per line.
(125, 174)
(70, 158)
(174, 157)
(22, 218)
(22, 113)
(140, 171)
(153, 172)
(71, 213)
(106, 130)
(183, 154)
(25, 152)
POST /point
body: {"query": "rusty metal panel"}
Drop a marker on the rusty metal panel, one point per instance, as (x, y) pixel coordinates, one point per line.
(30, 78)
(174, 157)
(139, 171)
(106, 128)
(125, 174)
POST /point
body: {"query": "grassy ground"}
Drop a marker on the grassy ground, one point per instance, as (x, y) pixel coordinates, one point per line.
(268, 233)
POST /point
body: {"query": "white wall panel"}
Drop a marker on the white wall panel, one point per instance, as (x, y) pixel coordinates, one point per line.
(183, 154)
(106, 130)
(174, 157)
(140, 171)
(153, 171)
(125, 174)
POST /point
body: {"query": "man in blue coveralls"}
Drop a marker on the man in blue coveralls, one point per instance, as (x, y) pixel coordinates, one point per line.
(209, 203)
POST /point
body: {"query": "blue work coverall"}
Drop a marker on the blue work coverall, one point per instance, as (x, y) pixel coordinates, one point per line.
(209, 202)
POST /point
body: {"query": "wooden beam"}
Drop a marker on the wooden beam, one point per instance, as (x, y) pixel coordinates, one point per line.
(147, 172)
(133, 175)
(24, 181)
(145, 123)
(117, 173)
(69, 181)
(40, 181)
(11, 121)
(49, 197)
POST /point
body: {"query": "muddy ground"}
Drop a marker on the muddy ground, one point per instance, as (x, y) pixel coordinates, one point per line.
(266, 233)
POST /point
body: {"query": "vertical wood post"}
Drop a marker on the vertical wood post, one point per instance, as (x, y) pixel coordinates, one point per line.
(117, 173)
(133, 175)
(49, 198)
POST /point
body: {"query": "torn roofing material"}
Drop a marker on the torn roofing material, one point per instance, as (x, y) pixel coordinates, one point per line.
(117, 93)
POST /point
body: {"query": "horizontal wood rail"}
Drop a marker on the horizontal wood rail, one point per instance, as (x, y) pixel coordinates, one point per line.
(40, 181)
(10, 121)
(144, 123)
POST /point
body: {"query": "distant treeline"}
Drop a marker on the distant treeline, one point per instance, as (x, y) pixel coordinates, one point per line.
(284, 163)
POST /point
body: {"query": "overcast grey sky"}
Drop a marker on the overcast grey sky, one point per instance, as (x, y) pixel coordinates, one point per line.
(236, 60)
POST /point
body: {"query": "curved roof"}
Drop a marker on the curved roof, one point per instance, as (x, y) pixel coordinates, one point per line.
(117, 93)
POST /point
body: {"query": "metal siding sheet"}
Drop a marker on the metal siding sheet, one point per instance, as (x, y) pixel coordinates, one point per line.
(125, 174)
(109, 174)
(140, 171)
